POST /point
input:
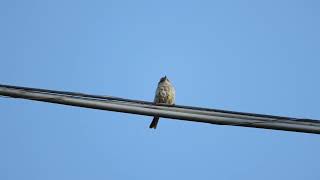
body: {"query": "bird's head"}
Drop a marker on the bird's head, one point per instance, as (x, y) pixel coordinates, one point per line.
(163, 79)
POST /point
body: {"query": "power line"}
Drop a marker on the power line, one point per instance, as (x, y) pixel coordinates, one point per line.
(206, 115)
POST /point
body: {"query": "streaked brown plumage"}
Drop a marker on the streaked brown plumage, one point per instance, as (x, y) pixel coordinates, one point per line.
(165, 94)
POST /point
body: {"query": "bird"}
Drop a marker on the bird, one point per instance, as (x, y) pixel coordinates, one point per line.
(165, 94)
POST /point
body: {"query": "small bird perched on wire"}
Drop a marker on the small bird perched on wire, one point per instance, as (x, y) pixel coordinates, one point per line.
(165, 94)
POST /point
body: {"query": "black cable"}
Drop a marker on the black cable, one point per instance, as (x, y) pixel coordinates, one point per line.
(111, 98)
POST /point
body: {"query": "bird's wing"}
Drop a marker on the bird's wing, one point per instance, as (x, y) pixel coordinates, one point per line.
(156, 97)
(171, 95)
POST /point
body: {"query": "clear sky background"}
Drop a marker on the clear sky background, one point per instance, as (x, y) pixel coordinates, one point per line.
(250, 56)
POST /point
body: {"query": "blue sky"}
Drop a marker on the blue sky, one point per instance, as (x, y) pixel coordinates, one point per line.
(250, 56)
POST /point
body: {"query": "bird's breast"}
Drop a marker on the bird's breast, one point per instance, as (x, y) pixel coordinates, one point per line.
(165, 94)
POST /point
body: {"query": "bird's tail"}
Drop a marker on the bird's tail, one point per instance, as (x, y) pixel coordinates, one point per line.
(154, 123)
